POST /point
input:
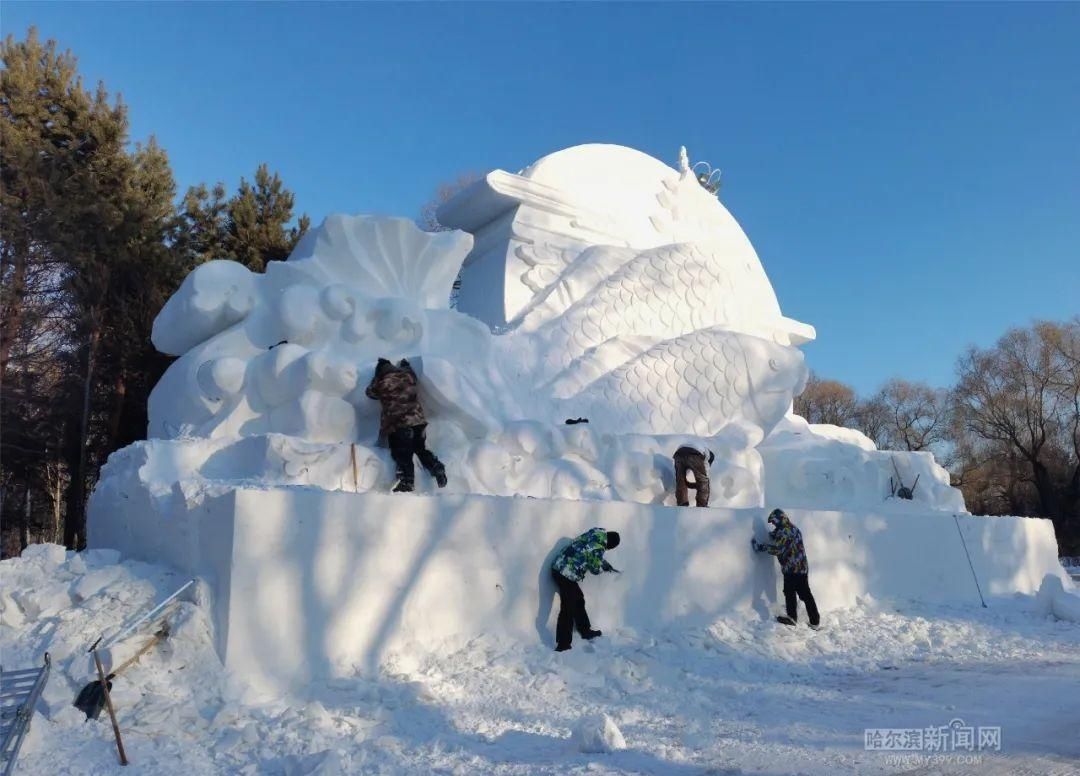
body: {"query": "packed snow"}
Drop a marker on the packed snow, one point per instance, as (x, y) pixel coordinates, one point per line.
(740, 695)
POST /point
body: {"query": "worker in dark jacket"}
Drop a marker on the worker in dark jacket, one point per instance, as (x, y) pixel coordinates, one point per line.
(696, 460)
(787, 545)
(584, 554)
(403, 422)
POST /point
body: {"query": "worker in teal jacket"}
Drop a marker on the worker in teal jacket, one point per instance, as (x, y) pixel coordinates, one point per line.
(583, 555)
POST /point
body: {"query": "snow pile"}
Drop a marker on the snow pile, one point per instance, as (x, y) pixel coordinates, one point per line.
(827, 467)
(1055, 600)
(738, 694)
(598, 735)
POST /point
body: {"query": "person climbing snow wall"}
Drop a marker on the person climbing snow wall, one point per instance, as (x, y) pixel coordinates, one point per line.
(787, 546)
(584, 554)
(403, 423)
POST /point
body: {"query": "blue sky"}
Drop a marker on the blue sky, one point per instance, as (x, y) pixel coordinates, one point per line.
(909, 173)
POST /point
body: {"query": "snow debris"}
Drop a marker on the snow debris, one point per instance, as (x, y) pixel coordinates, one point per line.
(598, 734)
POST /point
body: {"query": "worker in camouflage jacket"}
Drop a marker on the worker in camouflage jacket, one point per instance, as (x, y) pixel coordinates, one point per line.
(786, 544)
(583, 555)
(403, 423)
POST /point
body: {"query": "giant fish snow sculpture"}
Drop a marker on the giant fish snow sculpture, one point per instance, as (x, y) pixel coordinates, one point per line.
(598, 283)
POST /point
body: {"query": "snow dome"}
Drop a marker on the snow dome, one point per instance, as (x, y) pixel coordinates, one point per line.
(530, 226)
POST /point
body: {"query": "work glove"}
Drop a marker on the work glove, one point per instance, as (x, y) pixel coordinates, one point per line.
(605, 566)
(757, 547)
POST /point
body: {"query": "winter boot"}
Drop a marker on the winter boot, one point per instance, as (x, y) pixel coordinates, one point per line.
(561, 647)
(785, 620)
(815, 626)
(403, 487)
(590, 635)
(440, 476)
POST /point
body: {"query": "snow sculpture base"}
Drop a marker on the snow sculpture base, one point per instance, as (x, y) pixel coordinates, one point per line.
(312, 583)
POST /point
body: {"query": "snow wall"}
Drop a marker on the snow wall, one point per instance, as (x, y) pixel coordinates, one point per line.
(307, 582)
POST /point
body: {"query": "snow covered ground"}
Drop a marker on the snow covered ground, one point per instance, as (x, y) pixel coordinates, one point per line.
(741, 696)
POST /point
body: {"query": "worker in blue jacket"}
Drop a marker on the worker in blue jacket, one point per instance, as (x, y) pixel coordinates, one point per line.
(786, 543)
(584, 554)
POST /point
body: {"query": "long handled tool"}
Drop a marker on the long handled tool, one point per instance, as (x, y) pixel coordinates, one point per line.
(123, 634)
(108, 705)
(970, 564)
(91, 698)
(103, 681)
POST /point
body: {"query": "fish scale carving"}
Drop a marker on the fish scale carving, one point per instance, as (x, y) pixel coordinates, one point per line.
(648, 295)
(662, 389)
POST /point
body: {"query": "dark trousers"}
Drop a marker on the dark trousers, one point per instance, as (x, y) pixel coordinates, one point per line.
(572, 612)
(689, 459)
(799, 585)
(404, 444)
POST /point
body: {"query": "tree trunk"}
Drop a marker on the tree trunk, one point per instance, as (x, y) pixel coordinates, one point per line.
(24, 529)
(13, 314)
(117, 410)
(75, 522)
(1044, 486)
(56, 496)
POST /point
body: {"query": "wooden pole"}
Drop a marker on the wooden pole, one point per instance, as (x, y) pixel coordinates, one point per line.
(355, 478)
(109, 706)
(161, 635)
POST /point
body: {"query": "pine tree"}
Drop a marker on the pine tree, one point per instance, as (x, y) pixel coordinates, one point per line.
(57, 140)
(258, 216)
(204, 225)
(93, 245)
(87, 263)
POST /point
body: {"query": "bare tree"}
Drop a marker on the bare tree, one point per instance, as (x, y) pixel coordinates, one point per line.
(429, 221)
(906, 416)
(827, 401)
(1020, 401)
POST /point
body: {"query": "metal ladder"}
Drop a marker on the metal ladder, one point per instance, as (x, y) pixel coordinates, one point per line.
(19, 693)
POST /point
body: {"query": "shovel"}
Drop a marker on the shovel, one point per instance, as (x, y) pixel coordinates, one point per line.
(91, 698)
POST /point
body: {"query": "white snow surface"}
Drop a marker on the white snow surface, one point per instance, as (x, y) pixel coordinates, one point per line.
(738, 695)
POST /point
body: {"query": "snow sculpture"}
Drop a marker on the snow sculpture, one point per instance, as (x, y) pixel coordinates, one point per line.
(291, 351)
(597, 283)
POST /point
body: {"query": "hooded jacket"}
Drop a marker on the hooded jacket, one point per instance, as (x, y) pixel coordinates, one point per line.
(584, 554)
(787, 545)
(395, 388)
